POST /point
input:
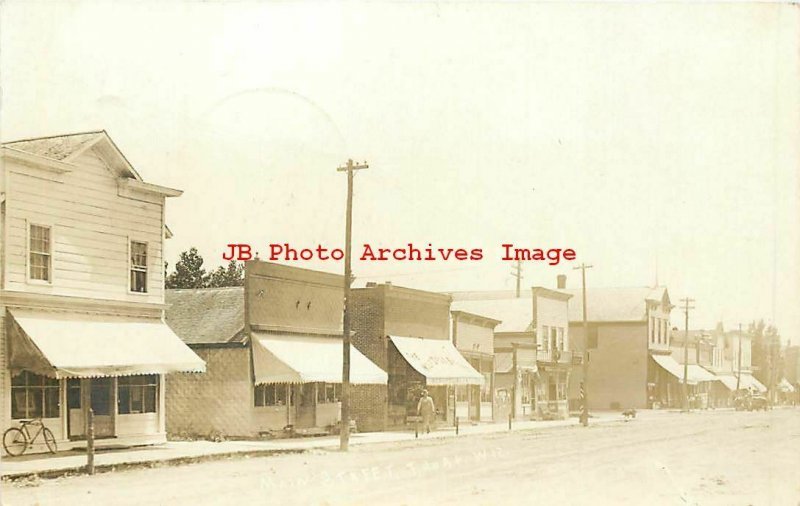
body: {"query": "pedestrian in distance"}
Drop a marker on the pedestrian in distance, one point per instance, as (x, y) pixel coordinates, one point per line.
(426, 410)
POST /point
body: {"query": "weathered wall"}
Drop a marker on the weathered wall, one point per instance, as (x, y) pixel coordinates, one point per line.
(281, 297)
(473, 338)
(5, 376)
(617, 367)
(221, 399)
(367, 323)
(416, 317)
(91, 227)
(369, 407)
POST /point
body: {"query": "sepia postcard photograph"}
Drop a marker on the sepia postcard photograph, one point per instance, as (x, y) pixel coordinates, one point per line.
(362, 253)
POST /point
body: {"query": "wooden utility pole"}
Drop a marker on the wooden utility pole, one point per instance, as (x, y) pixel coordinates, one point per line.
(517, 273)
(344, 431)
(739, 359)
(585, 382)
(686, 307)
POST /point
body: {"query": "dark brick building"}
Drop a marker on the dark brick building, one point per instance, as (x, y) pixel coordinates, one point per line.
(407, 333)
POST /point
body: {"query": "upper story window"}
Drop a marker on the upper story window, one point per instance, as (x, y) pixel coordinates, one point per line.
(40, 256)
(652, 329)
(138, 267)
(560, 339)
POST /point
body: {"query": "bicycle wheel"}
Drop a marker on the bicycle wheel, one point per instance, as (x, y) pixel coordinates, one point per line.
(15, 442)
(49, 439)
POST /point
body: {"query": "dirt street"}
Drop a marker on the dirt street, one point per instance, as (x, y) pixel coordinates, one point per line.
(709, 458)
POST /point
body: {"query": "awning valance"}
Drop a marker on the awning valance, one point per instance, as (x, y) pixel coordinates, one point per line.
(695, 373)
(72, 345)
(438, 360)
(298, 358)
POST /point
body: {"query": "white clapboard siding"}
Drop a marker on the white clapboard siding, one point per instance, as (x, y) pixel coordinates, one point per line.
(91, 229)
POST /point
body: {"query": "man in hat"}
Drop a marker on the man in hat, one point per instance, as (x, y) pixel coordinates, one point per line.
(426, 410)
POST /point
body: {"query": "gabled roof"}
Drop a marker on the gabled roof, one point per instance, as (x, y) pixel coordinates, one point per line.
(614, 304)
(57, 147)
(64, 148)
(206, 315)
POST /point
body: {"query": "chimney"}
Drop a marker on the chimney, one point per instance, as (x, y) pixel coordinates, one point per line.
(561, 281)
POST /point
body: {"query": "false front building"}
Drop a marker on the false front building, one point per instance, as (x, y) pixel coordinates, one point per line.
(82, 293)
(274, 354)
(532, 350)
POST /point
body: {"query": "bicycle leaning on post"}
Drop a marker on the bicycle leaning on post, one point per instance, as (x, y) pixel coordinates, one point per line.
(18, 439)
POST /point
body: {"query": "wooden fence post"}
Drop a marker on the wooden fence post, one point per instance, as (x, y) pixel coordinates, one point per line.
(90, 443)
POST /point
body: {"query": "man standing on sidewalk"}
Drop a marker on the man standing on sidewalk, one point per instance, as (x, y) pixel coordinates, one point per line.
(426, 410)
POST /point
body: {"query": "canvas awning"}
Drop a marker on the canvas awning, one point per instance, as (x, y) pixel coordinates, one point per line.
(670, 365)
(438, 360)
(694, 374)
(72, 345)
(746, 381)
(299, 358)
(749, 381)
(785, 387)
(700, 374)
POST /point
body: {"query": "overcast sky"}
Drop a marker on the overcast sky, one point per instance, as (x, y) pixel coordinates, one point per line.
(649, 138)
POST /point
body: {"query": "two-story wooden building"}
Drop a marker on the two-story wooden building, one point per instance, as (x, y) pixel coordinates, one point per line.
(82, 292)
(630, 362)
(274, 351)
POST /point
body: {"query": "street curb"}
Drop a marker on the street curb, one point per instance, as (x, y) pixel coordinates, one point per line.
(169, 462)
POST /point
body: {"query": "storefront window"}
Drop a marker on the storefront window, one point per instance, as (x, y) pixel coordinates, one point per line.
(327, 393)
(34, 396)
(137, 394)
(270, 395)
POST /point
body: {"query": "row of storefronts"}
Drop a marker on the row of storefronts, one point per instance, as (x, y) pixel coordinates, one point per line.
(86, 327)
